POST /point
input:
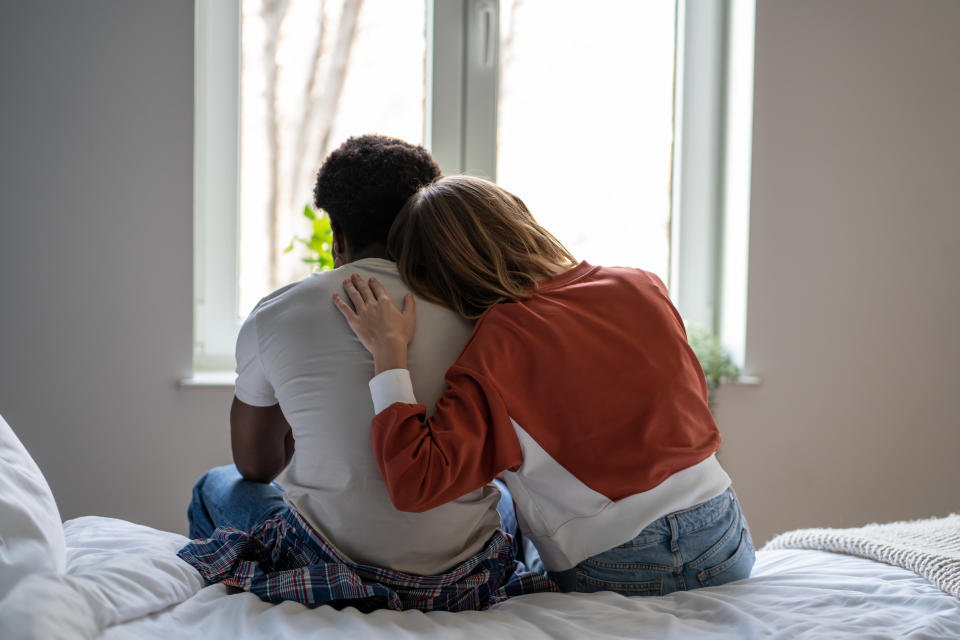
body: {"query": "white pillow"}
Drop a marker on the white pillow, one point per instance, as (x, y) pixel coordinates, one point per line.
(116, 571)
(31, 533)
(46, 606)
(125, 570)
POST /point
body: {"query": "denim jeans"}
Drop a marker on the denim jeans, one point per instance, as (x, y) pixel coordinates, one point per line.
(222, 498)
(525, 554)
(703, 546)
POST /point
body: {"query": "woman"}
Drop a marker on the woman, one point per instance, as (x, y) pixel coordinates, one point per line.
(577, 385)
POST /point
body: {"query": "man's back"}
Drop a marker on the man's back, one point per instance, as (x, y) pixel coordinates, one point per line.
(296, 349)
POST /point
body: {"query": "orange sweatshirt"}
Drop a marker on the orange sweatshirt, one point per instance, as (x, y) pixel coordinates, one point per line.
(588, 398)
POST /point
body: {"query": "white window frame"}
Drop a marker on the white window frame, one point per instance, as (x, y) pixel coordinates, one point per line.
(711, 172)
(737, 164)
(463, 50)
(216, 185)
(713, 133)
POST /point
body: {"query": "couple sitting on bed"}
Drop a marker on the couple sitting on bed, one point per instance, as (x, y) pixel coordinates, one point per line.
(514, 377)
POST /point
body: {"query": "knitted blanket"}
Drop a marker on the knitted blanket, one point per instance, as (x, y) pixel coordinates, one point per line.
(930, 548)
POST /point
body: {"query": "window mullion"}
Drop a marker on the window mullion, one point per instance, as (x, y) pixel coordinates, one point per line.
(481, 79)
(443, 113)
(463, 42)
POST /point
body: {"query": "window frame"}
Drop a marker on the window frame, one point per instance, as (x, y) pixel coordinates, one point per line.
(713, 100)
(713, 136)
(462, 75)
(216, 186)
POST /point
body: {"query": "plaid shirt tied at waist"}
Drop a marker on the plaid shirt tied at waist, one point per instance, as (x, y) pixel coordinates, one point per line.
(284, 558)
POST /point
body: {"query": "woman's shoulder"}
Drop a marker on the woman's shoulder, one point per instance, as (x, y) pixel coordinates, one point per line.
(496, 335)
(589, 281)
(633, 277)
(630, 273)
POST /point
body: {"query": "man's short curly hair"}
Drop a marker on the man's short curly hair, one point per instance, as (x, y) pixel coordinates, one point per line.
(364, 183)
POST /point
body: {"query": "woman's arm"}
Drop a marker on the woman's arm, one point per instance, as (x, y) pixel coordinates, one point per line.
(465, 444)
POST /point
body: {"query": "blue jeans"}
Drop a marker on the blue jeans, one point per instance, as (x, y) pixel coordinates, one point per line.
(222, 498)
(703, 546)
(526, 555)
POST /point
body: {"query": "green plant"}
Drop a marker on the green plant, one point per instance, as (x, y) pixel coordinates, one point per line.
(718, 366)
(320, 243)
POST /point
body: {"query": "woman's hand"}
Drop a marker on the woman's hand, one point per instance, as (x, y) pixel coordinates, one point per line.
(383, 329)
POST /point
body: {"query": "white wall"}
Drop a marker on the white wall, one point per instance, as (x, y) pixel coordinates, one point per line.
(853, 258)
(854, 301)
(96, 183)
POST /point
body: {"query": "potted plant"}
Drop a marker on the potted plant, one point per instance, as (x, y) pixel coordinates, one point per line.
(320, 242)
(718, 366)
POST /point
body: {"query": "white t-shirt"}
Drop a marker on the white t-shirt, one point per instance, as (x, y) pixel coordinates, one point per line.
(296, 349)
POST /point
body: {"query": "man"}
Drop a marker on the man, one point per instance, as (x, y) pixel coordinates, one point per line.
(302, 402)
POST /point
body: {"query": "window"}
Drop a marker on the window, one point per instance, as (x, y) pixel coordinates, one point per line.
(584, 138)
(712, 153)
(314, 73)
(623, 125)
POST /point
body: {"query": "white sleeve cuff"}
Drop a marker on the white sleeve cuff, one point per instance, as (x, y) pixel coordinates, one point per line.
(392, 385)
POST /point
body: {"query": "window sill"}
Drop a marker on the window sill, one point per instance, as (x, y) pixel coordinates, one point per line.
(209, 380)
(227, 380)
(745, 381)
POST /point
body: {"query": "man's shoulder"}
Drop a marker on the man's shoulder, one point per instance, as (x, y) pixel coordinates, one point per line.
(309, 302)
(273, 297)
(317, 285)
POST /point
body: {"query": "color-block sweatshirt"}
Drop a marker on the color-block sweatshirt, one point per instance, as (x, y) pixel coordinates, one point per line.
(586, 397)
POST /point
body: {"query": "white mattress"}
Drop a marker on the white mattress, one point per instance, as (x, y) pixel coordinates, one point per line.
(792, 594)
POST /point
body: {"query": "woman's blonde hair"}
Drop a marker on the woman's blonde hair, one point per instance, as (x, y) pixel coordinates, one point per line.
(467, 244)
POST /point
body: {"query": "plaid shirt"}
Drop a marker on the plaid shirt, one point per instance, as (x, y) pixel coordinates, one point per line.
(284, 558)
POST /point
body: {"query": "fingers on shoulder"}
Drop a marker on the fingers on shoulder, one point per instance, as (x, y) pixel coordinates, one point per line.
(342, 305)
(351, 289)
(361, 286)
(378, 289)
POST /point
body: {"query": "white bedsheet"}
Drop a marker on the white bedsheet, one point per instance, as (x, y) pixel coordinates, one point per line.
(792, 594)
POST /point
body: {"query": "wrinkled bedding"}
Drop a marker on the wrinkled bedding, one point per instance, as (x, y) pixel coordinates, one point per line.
(105, 578)
(930, 548)
(792, 593)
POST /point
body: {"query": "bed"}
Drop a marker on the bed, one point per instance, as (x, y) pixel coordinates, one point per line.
(95, 577)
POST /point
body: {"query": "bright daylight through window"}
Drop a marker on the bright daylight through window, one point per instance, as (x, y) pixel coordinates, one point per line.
(315, 73)
(585, 124)
(623, 125)
(585, 143)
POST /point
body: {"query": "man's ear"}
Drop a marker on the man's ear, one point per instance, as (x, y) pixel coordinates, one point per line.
(339, 247)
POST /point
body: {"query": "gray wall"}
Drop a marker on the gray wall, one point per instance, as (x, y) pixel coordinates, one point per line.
(853, 301)
(854, 305)
(96, 183)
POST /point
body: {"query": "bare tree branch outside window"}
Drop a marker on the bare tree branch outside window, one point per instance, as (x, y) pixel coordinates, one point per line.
(314, 73)
(582, 90)
(313, 137)
(273, 12)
